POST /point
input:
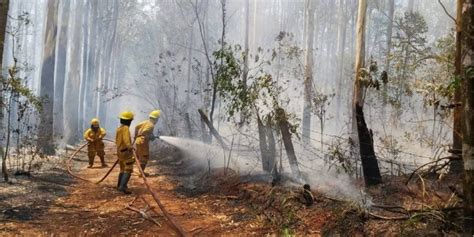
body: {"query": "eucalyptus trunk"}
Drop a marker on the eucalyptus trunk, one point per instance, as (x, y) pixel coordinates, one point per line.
(45, 141)
(308, 72)
(365, 137)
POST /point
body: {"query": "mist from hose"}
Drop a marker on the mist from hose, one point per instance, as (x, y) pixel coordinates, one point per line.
(321, 179)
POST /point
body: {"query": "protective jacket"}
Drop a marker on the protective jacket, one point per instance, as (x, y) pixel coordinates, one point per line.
(143, 134)
(123, 141)
(95, 139)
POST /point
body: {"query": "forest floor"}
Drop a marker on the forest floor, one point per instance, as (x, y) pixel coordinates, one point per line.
(212, 202)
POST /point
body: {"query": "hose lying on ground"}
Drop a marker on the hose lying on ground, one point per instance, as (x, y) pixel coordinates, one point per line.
(69, 169)
(179, 230)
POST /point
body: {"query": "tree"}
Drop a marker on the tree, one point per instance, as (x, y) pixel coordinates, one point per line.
(308, 71)
(73, 80)
(60, 68)
(468, 130)
(391, 10)
(410, 52)
(411, 6)
(365, 137)
(456, 167)
(4, 5)
(45, 141)
(341, 45)
(18, 101)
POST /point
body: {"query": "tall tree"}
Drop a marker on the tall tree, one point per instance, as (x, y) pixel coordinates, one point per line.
(4, 5)
(308, 70)
(365, 139)
(246, 43)
(60, 66)
(411, 5)
(73, 79)
(109, 42)
(45, 140)
(341, 45)
(455, 165)
(391, 11)
(468, 129)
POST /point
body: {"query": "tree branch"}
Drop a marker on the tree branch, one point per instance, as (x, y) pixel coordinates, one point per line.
(446, 11)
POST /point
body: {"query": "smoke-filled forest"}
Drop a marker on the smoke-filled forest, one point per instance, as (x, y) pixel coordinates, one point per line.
(237, 117)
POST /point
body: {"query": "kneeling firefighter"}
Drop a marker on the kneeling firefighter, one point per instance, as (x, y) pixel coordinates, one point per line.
(124, 144)
(143, 136)
(94, 136)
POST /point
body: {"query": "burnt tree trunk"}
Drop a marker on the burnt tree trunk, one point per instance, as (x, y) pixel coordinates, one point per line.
(370, 165)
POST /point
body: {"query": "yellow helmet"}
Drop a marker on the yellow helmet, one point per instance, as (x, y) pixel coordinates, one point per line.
(126, 115)
(155, 114)
(95, 122)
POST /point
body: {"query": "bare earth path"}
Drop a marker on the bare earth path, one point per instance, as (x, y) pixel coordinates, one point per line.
(56, 204)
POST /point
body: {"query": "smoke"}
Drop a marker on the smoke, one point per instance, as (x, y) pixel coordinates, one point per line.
(321, 179)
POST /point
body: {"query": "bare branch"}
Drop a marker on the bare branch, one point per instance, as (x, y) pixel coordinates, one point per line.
(446, 11)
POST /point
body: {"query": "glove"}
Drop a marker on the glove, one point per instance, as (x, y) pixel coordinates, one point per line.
(153, 137)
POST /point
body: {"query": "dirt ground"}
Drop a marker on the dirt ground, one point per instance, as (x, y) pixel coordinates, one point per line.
(203, 202)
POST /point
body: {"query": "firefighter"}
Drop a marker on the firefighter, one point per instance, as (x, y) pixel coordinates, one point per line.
(94, 136)
(124, 144)
(143, 136)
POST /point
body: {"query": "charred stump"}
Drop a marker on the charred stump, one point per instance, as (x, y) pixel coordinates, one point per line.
(370, 165)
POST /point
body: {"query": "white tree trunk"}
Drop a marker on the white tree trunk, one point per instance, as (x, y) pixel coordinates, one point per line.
(308, 71)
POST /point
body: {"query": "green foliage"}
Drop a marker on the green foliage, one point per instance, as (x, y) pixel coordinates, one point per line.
(417, 67)
(410, 52)
(437, 82)
(369, 77)
(257, 95)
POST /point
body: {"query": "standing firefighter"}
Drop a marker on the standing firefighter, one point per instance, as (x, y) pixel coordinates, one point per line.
(94, 136)
(124, 144)
(143, 136)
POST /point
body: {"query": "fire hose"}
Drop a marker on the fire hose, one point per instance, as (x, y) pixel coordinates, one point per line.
(69, 169)
(179, 230)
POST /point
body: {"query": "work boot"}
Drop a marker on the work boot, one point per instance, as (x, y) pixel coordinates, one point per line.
(143, 166)
(102, 160)
(91, 162)
(124, 183)
(119, 180)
